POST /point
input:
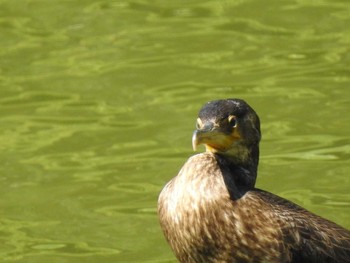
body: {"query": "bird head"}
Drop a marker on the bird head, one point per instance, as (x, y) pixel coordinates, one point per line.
(229, 127)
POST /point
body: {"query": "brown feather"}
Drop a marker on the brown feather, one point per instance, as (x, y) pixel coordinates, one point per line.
(204, 222)
(211, 212)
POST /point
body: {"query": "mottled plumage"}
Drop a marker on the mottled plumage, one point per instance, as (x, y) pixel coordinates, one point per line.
(211, 211)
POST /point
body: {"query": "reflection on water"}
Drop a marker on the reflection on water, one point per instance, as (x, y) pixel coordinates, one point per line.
(19, 244)
(98, 103)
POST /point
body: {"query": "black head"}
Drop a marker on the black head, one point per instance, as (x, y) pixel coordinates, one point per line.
(227, 126)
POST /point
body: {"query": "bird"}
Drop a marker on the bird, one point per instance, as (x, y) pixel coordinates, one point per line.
(212, 211)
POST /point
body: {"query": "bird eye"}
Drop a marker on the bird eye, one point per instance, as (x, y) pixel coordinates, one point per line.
(232, 121)
(198, 124)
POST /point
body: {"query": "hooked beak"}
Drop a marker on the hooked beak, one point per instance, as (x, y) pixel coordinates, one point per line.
(214, 139)
(202, 135)
(195, 140)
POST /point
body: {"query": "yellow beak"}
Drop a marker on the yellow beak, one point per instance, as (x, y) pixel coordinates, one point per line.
(214, 140)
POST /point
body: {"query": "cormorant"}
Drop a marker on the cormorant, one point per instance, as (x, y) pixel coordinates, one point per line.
(212, 212)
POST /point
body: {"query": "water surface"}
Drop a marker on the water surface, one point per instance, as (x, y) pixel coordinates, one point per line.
(98, 101)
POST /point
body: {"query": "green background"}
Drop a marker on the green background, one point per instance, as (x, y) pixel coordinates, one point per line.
(98, 101)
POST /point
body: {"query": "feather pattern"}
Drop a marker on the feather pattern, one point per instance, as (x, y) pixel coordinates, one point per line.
(211, 211)
(207, 217)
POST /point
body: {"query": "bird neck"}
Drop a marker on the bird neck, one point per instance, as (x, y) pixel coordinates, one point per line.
(242, 161)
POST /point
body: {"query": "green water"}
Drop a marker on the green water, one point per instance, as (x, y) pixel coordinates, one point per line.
(98, 101)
